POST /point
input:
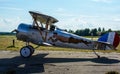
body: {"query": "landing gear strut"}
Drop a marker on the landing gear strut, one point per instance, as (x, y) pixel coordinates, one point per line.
(26, 51)
(98, 56)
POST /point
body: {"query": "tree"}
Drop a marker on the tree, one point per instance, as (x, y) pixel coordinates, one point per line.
(71, 31)
(86, 32)
(103, 30)
(99, 29)
(94, 32)
(109, 30)
(77, 32)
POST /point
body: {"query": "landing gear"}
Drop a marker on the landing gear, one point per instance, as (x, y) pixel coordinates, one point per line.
(98, 56)
(32, 49)
(26, 51)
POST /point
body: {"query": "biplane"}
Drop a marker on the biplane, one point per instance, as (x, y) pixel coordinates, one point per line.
(43, 32)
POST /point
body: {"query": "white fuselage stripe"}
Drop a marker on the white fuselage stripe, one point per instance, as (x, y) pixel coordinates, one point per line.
(111, 37)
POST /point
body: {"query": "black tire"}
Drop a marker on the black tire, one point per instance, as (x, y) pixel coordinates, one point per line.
(25, 52)
(32, 49)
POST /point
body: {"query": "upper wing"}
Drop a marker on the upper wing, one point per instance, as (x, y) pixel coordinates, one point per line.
(42, 17)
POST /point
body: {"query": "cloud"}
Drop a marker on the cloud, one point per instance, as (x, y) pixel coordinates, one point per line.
(68, 20)
(87, 21)
(74, 23)
(7, 24)
(117, 19)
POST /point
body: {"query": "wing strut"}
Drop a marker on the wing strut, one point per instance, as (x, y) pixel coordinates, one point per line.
(38, 27)
(47, 23)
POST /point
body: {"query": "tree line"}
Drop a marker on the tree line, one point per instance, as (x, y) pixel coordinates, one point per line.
(6, 33)
(91, 32)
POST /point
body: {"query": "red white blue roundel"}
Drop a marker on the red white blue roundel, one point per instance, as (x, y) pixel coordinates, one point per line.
(111, 37)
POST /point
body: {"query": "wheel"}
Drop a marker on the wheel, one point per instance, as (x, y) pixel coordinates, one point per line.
(98, 57)
(25, 52)
(32, 49)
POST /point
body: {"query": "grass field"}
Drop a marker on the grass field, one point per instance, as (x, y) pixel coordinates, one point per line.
(6, 43)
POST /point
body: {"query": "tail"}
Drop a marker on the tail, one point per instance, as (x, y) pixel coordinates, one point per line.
(111, 38)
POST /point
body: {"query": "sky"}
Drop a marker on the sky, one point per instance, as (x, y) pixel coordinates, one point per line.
(72, 14)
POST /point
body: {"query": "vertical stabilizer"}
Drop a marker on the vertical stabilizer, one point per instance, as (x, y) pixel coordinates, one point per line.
(111, 37)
